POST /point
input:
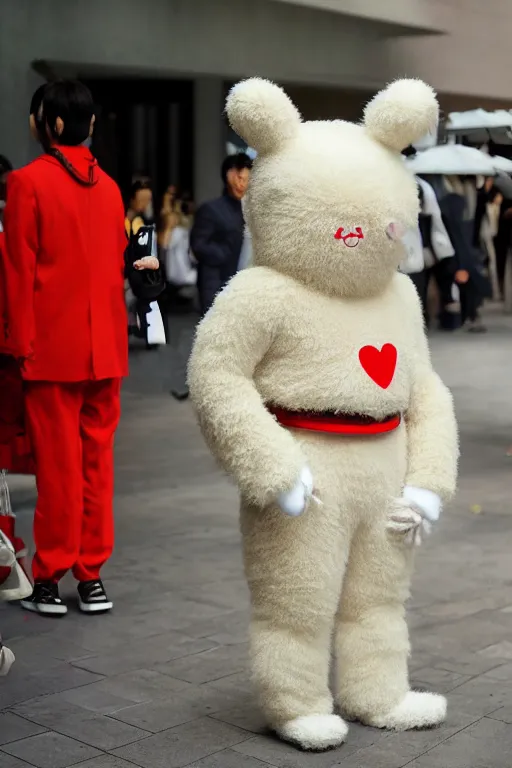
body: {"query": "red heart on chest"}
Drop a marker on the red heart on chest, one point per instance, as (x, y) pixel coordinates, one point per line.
(379, 364)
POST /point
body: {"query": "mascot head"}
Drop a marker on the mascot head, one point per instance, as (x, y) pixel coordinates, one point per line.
(329, 201)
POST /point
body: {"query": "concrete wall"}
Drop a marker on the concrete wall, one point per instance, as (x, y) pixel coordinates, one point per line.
(471, 59)
(228, 38)
(416, 15)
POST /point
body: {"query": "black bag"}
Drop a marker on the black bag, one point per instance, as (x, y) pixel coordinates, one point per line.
(146, 284)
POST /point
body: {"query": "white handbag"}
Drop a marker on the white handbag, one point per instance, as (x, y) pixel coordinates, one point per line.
(180, 267)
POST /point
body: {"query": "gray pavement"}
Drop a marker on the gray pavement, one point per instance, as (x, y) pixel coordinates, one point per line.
(163, 682)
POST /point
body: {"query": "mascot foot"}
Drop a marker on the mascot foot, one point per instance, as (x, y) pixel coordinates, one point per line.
(416, 710)
(315, 732)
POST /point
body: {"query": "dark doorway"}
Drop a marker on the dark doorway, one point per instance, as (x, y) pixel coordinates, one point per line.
(145, 127)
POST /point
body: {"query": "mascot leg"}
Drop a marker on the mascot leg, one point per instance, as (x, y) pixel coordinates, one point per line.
(372, 641)
(294, 568)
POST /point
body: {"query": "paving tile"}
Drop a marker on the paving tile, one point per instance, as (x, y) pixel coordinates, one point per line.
(471, 664)
(502, 672)
(105, 761)
(438, 680)
(30, 649)
(269, 749)
(50, 750)
(483, 695)
(48, 711)
(230, 624)
(248, 718)
(19, 686)
(100, 731)
(153, 650)
(504, 714)
(8, 761)
(113, 693)
(501, 650)
(13, 728)
(210, 665)
(486, 744)
(184, 705)
(99, 701)
(228, 758)
(183, 745)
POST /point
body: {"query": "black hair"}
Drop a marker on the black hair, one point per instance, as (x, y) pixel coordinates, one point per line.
(37, 100)
(71, 101)
(36, 111)
(237, 162)
(5, 165)
(138, 185)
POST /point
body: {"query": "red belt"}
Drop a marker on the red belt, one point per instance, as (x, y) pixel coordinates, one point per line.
(336, 424)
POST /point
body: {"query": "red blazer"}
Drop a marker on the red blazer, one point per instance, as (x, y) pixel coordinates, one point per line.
(15, 449)
(63, 269)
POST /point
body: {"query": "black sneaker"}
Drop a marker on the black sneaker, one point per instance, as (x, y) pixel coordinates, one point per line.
(92, 597)
(45, 600)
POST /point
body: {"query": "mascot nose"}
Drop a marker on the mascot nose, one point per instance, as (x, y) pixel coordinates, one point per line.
(395, 230)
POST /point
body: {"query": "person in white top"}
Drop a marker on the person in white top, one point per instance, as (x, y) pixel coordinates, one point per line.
(427, 247)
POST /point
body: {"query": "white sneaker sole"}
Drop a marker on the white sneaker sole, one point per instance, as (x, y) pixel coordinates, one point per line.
(95, 607)
(44, 610)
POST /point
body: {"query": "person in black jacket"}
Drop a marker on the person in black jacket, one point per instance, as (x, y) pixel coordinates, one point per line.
(218, 232)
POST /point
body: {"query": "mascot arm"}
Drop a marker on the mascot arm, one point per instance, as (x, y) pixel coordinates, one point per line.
(432, 433)
(236, 334)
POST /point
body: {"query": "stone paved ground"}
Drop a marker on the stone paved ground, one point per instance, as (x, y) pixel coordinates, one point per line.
(163, 682)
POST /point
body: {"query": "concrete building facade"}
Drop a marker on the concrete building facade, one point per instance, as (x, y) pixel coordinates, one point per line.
(163, 66)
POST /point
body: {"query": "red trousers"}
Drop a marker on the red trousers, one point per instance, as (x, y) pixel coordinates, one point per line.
(72, 427)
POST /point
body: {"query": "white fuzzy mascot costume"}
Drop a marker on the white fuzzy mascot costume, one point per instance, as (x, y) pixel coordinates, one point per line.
(313, 384)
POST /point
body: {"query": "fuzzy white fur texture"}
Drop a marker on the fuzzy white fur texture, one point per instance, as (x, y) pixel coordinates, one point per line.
(402, 114)
(315, 732)
(416, 710)
(288, 333)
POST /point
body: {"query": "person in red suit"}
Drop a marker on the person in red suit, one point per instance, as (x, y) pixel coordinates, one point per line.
(66, 324)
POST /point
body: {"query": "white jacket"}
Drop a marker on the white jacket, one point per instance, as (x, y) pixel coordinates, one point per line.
(441, 243)
(417, 257)
(414, 261)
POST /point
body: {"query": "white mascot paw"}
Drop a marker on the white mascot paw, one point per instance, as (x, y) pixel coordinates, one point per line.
(294, 502)
(6, 660)
(416, 710)
(414, 514)
(427, 503)
(315, 732)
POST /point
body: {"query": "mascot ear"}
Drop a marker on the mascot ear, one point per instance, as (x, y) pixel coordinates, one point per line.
(262, 114)
(402, 113)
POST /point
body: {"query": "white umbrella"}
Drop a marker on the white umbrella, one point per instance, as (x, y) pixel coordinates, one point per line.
(477, 119)
(501, 163)
(451, 160)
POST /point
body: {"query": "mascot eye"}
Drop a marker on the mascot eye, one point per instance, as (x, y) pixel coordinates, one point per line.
(351, 238)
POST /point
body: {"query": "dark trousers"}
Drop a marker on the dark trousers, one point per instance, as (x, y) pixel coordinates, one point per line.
(470, 300)
(442, 274)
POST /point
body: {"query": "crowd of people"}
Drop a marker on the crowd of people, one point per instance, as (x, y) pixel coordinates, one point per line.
(461, 244)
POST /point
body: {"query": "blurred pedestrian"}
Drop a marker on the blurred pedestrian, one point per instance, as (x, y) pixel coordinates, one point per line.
(138, 214)
(66, 325)
(218, 232)
(140, 207)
